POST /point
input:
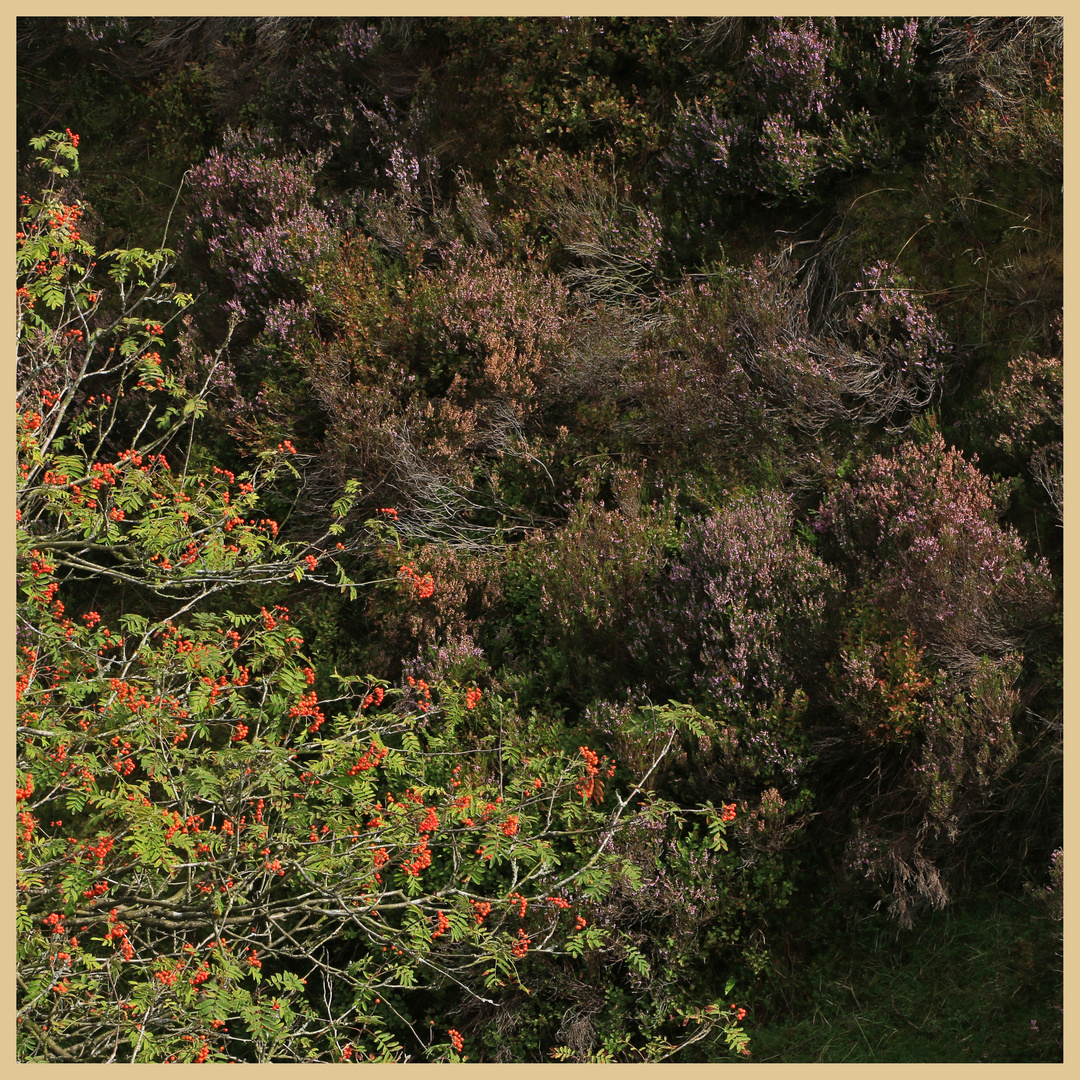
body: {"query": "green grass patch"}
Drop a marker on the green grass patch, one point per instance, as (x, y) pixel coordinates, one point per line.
(974, 983)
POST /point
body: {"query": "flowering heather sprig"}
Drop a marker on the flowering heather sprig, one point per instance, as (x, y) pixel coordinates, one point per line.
(317, 91)
(898, 45)
(794, 115)
(789, 71)
(1027, 406)
(891, 319)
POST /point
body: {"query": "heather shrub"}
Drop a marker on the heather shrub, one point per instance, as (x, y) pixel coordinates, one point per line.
(602, 343)
(1027, 412)
(1051, 896)
(957, 727)
(256, 229)
(409, 215)
(574, 84)
(742, 615)
(919, 532)
(950, 743)
(928, 671)
(607, 247)
(878, 358)
(690, 391)
(893, 324)
(1027, 406)
(734, 372)
(802, 104)
(499, 327)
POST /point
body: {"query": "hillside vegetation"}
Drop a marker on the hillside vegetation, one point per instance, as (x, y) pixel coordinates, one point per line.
(539, 539)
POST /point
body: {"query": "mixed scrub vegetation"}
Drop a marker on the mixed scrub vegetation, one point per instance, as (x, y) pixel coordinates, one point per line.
(539, 539)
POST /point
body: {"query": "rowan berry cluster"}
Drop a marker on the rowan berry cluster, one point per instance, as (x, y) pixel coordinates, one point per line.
(592, 786)
(442, 927)
(421, 861)
(371, 759)
(521, 946)
(424, 586)
(374, 698)
(424, 702)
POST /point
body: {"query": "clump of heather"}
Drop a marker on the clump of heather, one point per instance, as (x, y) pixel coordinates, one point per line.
(882, 357)
(1027, 411)
(456, 659)
(430, 377)
(608, 245)
(928, 673)
(890, 320)
(256, 228)
(316, 100)
(801, 104)
(1027, 406)
(919, 532)
(743, 614)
